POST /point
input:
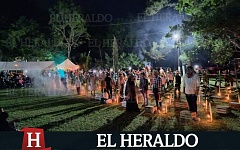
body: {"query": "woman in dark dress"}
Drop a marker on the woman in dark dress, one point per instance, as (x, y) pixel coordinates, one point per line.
(131, 95)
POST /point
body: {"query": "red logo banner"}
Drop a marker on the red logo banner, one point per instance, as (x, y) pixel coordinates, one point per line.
(33, 139)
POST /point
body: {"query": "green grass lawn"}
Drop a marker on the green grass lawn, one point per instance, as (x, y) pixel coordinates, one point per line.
(80, 113)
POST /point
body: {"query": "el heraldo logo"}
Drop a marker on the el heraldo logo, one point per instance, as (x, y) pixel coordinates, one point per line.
(33, 139)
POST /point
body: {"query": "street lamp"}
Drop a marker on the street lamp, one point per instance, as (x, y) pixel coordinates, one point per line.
(177, 37)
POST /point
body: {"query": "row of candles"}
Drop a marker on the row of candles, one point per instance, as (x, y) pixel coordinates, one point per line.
(170, 98)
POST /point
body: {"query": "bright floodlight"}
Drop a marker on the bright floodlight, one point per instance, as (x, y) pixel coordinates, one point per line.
(129, 68)
(196, 66)
(176, 36)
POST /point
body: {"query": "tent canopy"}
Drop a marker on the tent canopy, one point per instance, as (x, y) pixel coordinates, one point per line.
(41, 65)
(67, 65)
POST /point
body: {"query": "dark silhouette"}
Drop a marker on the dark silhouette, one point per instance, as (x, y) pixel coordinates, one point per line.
(4, 124)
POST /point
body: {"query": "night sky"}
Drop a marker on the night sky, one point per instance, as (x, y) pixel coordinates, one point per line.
(38, 9)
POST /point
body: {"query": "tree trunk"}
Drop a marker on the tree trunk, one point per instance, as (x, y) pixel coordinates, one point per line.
(69, 51)
(183, 70)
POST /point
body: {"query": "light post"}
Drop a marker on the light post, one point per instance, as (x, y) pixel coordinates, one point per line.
(176, 37)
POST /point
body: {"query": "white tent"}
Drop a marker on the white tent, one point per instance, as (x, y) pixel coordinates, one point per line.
(67, 65)
(41, 65)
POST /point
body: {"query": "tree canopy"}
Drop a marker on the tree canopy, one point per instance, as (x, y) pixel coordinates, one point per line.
(24, 40)
(158, 51)
(215, 24)
(212, 18)
(68, 25)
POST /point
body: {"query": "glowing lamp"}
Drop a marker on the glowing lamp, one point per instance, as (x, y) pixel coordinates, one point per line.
(176, 36)
(196, 66)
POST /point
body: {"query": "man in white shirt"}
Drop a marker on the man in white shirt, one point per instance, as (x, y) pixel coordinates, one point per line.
(191, 84)
(78, 85)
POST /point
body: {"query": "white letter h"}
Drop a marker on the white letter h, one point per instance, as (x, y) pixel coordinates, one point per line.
(30, 140)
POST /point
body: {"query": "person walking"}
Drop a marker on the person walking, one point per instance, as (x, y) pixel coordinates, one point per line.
(191, 84)
(144, 88)
(177, 85)
(157, 83)
(170, 76)
(78, 85)
(108, 81)
(102, 77)
(121, 81)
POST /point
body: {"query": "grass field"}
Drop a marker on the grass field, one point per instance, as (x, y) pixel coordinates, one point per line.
(80, 113)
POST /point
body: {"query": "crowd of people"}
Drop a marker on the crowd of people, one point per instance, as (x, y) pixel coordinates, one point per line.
(13, 80)
(105, 79)
(128, 82)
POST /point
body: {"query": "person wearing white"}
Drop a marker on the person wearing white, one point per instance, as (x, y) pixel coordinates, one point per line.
(161, 70)
(164, 80)
(191, 84)
(78, 85)
(170, 76)
(92, 84)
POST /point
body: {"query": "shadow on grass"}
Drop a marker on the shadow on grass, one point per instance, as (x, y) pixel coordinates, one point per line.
(147, 125)
(59, 112)
(55, 102)
(38, 103)
(120, 122)
(66, 120)
(8, 98)
(81, 107)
